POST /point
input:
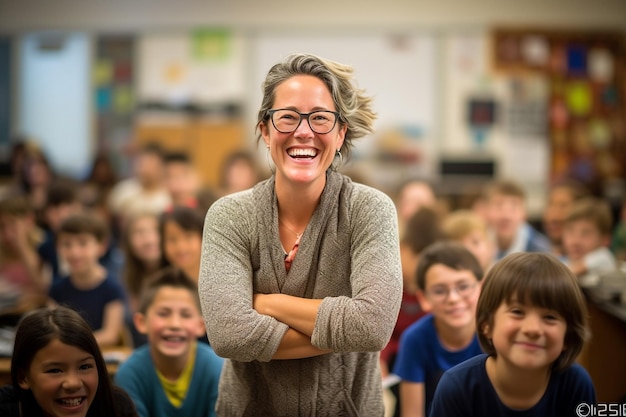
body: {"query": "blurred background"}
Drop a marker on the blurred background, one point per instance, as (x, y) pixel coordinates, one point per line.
(465, 91)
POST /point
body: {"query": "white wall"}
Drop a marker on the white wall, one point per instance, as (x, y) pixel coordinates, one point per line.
(423, 88)
(133, 15)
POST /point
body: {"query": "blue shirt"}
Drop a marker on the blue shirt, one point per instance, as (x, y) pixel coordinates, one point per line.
(466, 391)
(89, 303)
(422, 359)
(138, 377)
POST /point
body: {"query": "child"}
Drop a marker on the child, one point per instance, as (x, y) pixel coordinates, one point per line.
(411, 196)
(88, 288)
(532, 322)
(506, 216)
(181, 237)
(144, 190)
(239, 171)
(62, 201)
(181, 179)
(586, 240)
(143, 257)
(561, 197)
(142, 252)
(20, 266)
(174, 375)
(57, 369)
(448, 277)
(469, 229)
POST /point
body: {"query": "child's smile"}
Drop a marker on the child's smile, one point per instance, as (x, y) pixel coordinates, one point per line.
(527, 336)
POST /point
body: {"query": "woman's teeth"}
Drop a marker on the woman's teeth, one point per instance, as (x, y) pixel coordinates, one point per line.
(299, 153)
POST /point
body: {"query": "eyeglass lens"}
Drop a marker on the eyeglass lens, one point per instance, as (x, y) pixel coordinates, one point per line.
(286, 121)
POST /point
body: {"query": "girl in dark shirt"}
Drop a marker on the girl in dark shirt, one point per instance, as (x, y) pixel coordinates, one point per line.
(57, 369)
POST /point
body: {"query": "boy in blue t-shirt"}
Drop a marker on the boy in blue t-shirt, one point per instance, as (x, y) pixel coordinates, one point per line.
(89, 288)
(449, 279)
(531, 320)
(173, 375)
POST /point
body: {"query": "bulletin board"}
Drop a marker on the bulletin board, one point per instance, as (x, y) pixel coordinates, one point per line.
(113, 78)
(586, 111)
(199, 66)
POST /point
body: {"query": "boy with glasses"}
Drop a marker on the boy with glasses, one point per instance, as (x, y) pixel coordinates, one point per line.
(448, 279)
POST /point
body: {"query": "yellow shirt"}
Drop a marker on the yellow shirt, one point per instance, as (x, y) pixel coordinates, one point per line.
(177, 390)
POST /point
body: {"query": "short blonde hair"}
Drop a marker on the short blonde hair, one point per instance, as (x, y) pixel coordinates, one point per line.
(461, 223)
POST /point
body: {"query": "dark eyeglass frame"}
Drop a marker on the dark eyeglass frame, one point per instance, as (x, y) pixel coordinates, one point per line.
(441, 296)
(270, 115)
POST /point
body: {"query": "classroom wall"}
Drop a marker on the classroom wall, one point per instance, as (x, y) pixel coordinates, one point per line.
(406, 52)
(397, 14)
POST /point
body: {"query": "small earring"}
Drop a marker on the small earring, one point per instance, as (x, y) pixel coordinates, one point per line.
(269, 160)
(338, 165)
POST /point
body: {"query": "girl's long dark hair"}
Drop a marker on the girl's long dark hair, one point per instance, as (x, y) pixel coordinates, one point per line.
(39, 328)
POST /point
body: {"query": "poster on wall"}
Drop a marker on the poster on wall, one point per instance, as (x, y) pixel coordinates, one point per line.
(200, 67)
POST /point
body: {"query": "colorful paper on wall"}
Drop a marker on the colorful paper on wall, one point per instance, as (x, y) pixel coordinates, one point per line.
(122, 100)
(577, 60)
(102, 73)
(579, 98)
(211, 44)
(103, 99)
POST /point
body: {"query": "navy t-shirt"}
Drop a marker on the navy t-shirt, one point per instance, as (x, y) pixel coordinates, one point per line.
(89, 303)
(422, 359)
(466, 391)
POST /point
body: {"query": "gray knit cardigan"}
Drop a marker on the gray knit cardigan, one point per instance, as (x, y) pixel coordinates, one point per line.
(348, 256)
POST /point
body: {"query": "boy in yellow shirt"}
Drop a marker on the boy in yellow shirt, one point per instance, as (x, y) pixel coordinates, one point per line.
(173, 375)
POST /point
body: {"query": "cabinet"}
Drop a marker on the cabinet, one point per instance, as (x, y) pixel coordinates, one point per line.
(207, 142)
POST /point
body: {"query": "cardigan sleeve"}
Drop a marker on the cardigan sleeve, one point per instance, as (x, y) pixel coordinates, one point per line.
(234, 329)
(365, 321)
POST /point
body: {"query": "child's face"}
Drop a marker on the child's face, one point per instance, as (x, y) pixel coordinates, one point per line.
(183, 248)
(144, 238)
(172, 322)
(14, 230)
(63, 380)
(81, 252)
(451, 295)
(581, 237)
(481, 247)
(559, 203)
(527, 337)
(414, 196)
(240, 176)
(505, 214)
(181, 181)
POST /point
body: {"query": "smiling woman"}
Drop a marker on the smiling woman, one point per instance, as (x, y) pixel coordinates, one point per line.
(57, 369)
(305, 265)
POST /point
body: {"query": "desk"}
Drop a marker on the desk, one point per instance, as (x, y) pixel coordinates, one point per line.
(120, 353)
(603, 356)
